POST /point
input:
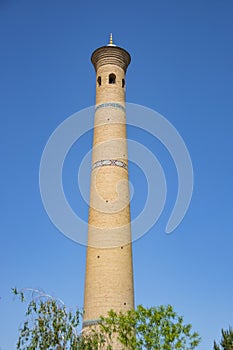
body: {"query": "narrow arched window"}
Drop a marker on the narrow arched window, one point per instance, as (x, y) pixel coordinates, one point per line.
(123, 83)
(112, 79)
(99, 81)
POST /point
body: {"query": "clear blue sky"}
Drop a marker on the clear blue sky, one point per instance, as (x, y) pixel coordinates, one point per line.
(182, 67)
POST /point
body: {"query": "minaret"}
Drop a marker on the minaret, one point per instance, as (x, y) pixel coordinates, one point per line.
(109, 272)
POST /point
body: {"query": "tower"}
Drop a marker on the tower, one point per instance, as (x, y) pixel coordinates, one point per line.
(109, 271)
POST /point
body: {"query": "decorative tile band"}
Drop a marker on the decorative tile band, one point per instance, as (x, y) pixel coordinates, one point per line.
(91, 322)
(110, 104)
(109, 162)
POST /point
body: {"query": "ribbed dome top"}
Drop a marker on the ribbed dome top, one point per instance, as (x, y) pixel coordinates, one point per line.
(110, 55)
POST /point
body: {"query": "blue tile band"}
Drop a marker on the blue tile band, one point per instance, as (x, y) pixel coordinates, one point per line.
(91, 323)
(110, 104)
(110, 162)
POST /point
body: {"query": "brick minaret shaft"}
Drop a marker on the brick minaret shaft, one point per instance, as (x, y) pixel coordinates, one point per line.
(109, 272)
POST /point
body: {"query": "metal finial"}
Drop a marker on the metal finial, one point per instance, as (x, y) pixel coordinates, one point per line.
(110, 39)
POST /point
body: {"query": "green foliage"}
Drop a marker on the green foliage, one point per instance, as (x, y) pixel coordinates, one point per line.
(155, 328)
(50, 325)
(226, 342)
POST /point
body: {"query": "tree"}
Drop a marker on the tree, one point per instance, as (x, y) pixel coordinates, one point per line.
(226, 342)
(50, 325)
(155, 328)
